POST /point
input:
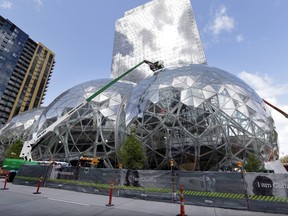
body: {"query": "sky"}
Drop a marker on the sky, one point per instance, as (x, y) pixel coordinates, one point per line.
(246, 38)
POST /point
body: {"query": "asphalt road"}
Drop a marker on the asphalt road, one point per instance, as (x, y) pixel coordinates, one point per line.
(19, 200)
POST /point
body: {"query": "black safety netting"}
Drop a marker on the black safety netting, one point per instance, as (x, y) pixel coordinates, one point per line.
(100, 181)
(265, 192)
(213, 189)
(31, 174)
(146, 184)
(63, 177)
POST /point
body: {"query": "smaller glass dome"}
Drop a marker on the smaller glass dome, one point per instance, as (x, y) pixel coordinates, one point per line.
(18, 128)
(89, 131)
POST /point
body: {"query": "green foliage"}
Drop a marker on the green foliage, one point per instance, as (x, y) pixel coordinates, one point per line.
(15, 150)
(284, 159)
(131, 153)
(253, 164)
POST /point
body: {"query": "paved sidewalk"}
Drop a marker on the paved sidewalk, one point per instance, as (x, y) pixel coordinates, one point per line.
(20, 200)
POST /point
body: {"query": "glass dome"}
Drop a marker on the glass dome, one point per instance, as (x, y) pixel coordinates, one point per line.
(18, 128)
(200, 116)
(89, 131)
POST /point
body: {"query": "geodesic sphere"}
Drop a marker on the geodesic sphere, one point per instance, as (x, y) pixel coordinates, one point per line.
(89, 131)
(201, 117)
(19, 124)
(18, 128)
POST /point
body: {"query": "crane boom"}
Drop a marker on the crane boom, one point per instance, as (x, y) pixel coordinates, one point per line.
(276, 108)
(27, 145)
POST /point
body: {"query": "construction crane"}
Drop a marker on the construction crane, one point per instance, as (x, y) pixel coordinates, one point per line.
(27, 145)
(276, 108)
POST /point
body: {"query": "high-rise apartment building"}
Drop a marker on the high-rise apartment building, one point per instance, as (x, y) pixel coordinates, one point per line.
(25, 71)
(158, 30)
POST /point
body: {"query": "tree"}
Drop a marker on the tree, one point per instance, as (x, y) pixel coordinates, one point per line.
(15, 150)
(253, 164)
(284, 159)
(131, 153)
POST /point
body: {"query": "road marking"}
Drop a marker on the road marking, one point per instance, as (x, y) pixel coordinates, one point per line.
(84, 204)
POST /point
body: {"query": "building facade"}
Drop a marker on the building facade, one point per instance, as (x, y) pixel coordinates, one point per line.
(158, 30)
(25, 71)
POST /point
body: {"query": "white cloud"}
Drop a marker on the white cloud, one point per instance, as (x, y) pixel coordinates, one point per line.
(269, 90)
(38, 4)
(222, 22)
(264, 85)
(240, 38)
(281, 124)
(6, 4)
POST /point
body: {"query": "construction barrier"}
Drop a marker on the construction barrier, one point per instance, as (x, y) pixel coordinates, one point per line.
(30, 174)
(213, 189)
(110, 194)
(39, 185)
(265, 192)
(182, 206)
(5, 182)
(146, 184)
(63, 177)
(82, 179)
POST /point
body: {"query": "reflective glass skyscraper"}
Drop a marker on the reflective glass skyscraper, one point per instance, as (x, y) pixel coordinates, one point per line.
(25, 70)
(159, 30)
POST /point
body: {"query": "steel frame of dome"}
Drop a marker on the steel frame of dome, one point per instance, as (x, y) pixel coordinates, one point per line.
(18, 128)
(201, 117)
(89, 131)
